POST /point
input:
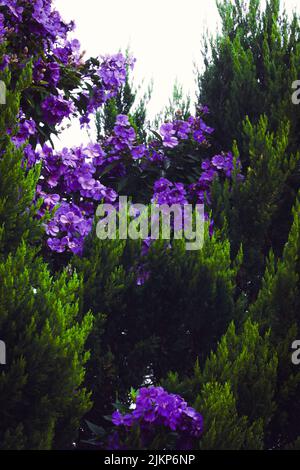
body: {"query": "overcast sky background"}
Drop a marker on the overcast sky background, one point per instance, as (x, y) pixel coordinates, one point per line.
(163, 35)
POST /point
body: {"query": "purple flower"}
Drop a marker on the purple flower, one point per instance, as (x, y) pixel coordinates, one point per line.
(5, 59)
(122, 420)
(53, 230)
(142, 275)
(166, 192)
(57, 245)
(55, 109)
(70, 219)
(14, 8)
(75, 245)
(170, 141)
(167, 131)
(113, 71)
(204, 128)
(154, 156)
(30, 156)
(183, 129)
(127, 134)
(86, 183)
(68, 227)
(51, 200)
(84, 121)
(69, 53)
(207, 177)
(69, 158)
(229, 165)
(206, 165)
(139, 152)
(48, 72)
(122, 120)
(203, 109)
(156, 407)
(218, 162)
(199, 136)
(162, 185)
(2, 27)
(27, 128)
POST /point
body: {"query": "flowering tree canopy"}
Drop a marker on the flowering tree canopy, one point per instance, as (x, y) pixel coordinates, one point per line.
(74, 181)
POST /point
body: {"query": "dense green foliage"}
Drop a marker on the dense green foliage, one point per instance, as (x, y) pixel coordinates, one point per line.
(247, 84)
(41, 395)
(235, 389)
(169, 321)
(215, 325)
(247, 389)
(250, 69)
(277, 306)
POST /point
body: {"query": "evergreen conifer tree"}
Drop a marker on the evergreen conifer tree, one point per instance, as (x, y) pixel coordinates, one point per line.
(145, 329)
(41, 395)
(250, 69)
(277, 306)
(234, 390)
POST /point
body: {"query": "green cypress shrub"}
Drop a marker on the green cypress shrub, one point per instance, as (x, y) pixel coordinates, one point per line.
(234, 390)
(143, 331)
(249, 71)
(250, 68)
(41, 395)
(277, 306)
(249, 209)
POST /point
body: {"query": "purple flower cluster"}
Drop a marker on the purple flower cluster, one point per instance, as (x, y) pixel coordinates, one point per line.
(34, 19)
(75, 174)
(156, 407)
(14, 8)
(47, 22)
(166, 192)
(2, 28)
(123, 137)
(27, 128)
(168, 134)
(68, 176)
(120, 148)
(173, 132)
(224, 163)
(112, 73)
(56, 108)
(48, 72)
(69, 52)
(219, 165)
(34, 29)
(72, 178)
(70, 223)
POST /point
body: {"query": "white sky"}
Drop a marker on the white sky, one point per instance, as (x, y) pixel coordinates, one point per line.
(163, 35)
